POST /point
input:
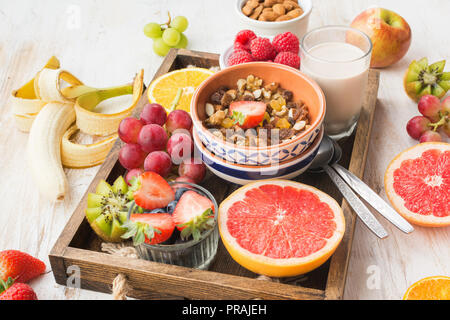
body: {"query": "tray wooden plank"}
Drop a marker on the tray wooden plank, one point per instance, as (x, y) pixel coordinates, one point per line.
(78, 245)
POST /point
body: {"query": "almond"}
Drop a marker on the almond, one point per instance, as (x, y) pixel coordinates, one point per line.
(295, 13)
(269, 16)
(279, 9)
(289, 5)
(257, 11)
(283, 18)
(269, 3)
(247, 10)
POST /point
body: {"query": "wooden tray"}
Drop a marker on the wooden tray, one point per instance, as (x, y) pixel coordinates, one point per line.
(78, 245)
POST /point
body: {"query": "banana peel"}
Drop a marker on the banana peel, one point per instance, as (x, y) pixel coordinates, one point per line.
(88, 120)
(49, 112)
(25, 102)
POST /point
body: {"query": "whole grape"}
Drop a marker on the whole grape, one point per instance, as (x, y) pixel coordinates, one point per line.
(180, 23)
(430, 136)
(153, 30)
(430, 106)
(417, 126)
(160, 47)
(171, 36)
(182, 44)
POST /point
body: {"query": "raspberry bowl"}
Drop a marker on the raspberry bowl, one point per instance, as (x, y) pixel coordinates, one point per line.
(283, 48)
(298, 25)
(302, 89)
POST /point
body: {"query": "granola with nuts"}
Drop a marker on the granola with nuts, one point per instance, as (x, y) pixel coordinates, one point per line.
(267, 109)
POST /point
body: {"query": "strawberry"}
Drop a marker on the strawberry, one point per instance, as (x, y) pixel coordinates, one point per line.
(193, 214)
(151, 191)
(247, 114)
(16, 291)
(151, 228)
(20, 266)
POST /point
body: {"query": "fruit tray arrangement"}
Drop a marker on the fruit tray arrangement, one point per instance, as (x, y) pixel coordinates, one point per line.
(224, 278)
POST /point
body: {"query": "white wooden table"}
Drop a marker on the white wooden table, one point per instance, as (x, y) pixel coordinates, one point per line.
(102, 43)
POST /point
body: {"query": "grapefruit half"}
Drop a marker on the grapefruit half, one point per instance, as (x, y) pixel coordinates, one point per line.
(417, 183)
(280, 228)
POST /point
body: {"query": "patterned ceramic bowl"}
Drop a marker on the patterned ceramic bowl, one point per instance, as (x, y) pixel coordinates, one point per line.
(243, 174)
(303, 88)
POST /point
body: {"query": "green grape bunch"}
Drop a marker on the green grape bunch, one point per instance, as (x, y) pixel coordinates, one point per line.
(167, 35)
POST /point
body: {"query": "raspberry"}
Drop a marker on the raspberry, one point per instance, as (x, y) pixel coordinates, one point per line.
(238, 57)
(262, 49)
(286, 42)
(244, 38)
(289, 59)
(239, 46)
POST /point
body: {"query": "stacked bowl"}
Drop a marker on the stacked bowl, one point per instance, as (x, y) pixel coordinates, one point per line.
(244, 164)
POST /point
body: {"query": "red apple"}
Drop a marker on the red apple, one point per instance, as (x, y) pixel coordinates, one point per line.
(389, 32)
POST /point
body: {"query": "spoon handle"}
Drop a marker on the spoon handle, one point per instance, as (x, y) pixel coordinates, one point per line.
(373, 199)
(360, 208)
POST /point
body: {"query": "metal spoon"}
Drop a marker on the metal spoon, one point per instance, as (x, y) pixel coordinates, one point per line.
(365, 192)
(323, 158)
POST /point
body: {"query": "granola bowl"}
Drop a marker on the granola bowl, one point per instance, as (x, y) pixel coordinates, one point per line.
(243, 174)
(288, 128)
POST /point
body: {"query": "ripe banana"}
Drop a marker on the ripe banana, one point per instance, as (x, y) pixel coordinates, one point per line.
(44, 148)
(49, 112)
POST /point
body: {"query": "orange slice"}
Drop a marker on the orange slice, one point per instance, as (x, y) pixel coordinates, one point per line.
(280, 228)
(177, 86)
(417, 183)
(431, 288)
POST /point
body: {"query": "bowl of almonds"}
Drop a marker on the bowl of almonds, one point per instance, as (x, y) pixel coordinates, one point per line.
(271, 17)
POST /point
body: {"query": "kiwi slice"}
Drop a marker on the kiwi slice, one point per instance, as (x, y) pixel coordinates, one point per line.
(422, 79)
(107, 209)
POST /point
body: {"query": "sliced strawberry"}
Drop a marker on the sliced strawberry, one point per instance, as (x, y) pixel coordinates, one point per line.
(247, 114)
(193, 214)
(151, 228)
(151, 191)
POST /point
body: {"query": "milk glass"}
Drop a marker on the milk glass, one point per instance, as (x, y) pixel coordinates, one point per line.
(338, 59)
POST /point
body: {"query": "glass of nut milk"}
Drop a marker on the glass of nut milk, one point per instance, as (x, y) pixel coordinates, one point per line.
(338, 58)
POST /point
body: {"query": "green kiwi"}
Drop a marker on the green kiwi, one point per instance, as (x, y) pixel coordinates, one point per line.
(422, 79)
(107, 209)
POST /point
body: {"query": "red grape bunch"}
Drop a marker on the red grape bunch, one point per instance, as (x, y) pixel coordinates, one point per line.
(435, 118)
(157, 141)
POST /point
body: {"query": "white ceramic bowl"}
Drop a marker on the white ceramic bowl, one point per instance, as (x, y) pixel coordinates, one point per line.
(243, 174)
(298, 26)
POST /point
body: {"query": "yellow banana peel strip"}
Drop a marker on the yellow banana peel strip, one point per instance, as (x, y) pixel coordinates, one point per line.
(102, 124)
(25, 103)
(75, 155)
(48, 112)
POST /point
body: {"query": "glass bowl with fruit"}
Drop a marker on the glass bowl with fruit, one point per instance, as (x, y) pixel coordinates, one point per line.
(173, 222)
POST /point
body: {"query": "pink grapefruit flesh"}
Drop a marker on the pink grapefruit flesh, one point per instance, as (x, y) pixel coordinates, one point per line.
(417, 183)
(280, 228)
